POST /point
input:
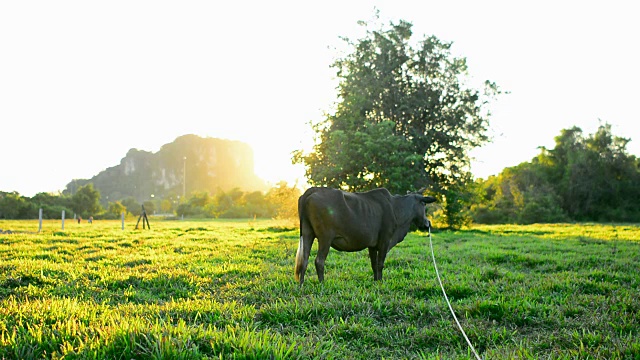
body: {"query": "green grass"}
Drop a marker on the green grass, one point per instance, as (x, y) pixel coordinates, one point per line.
(225, 289)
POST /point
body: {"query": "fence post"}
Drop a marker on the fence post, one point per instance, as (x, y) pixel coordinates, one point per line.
(62, 219)
(123, 220)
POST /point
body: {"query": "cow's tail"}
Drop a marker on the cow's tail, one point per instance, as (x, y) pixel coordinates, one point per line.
(299, 259)
(300, 254)
(304, 227)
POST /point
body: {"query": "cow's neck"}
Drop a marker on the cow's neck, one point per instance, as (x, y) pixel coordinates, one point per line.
(404, 216)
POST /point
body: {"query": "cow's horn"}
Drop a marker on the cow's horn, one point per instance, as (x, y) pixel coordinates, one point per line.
(428, 199)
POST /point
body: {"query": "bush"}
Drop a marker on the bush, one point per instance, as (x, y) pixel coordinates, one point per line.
(482, 214)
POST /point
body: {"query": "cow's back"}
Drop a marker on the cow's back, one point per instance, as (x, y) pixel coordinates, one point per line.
(302, 200)
(356, 220)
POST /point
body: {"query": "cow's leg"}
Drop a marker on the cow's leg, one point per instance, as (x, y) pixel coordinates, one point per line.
(324, 245)
(302, 256)
(382, 255)
(373, 256)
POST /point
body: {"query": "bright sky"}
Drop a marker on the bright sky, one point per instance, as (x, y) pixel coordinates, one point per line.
(82, 82)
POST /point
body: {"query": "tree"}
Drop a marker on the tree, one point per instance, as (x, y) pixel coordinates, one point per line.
(132, 205)
(149, 207)
(596, 177)
(15, 206)
(255, 204)
(166, 206)
(403, 120)
(51, 205)
(458, 199)
(229, 204)
(195, 205)
(520, 194)
(115, 210)
(284, 200)
(86, 201)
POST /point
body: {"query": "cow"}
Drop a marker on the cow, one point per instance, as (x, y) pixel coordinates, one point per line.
(373, 220)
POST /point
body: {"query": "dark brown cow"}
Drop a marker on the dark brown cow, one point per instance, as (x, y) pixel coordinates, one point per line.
(345, 221)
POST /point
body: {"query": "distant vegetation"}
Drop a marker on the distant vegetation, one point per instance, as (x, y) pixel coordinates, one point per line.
(214, 176)
(279, 202)
(224, 289)
(583, 178)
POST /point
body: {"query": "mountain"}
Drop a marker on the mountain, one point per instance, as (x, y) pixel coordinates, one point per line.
(209, 164)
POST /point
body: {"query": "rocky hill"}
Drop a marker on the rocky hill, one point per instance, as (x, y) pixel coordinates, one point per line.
(211, 164)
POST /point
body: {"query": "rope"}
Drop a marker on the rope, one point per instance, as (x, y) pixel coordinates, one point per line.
(447, 298)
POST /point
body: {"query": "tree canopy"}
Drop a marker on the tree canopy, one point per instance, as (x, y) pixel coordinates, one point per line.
(86, 201)
(583, 178)
(404, 117)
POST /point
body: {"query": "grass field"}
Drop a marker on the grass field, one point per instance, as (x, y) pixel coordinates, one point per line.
(225, 289)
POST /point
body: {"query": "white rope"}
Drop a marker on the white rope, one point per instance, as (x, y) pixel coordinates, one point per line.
(447, 298)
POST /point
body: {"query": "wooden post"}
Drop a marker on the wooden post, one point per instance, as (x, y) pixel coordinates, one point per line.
(62, 219)
(40, 220)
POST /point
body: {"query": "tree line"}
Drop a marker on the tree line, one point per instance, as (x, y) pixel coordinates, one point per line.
(583, 178)
(278, 202)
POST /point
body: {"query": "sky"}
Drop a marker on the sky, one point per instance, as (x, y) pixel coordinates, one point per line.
(82, 82)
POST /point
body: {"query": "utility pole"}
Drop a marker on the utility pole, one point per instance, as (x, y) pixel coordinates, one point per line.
(184, 178)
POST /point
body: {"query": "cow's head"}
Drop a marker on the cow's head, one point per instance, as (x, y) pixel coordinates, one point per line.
(419, 212)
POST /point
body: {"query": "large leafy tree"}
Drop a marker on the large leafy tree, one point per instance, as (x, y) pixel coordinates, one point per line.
(404, 118)
(86, 201)
(595, 175)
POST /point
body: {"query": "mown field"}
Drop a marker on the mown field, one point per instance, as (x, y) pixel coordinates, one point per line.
(225, 289)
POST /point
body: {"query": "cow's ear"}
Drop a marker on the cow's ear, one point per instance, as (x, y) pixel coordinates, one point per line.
(427, 199)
